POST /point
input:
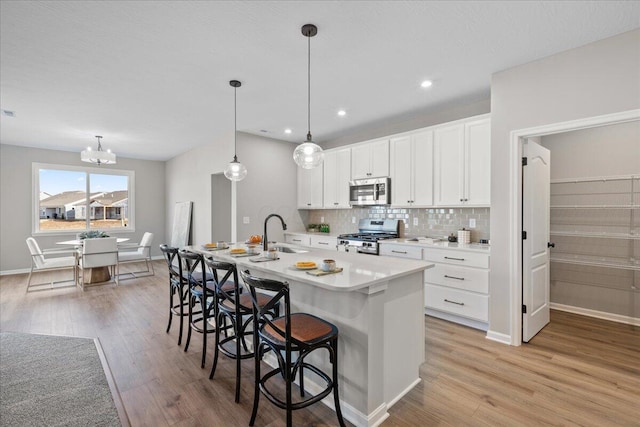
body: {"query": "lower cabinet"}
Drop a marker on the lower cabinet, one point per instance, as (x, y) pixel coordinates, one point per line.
(323, 242)
(457, 288)
(297, 239)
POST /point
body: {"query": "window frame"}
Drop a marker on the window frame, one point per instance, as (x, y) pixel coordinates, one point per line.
(35, 188)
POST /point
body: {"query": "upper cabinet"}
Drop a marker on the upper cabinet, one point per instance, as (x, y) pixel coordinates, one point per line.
(462, 164)
(370, 160)
(337, 173)
(310, 188)
(411, 165)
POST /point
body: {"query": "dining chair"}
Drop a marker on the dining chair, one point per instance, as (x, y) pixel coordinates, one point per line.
(50, 260)
(294, 332)
(135, 253)
(99, 252)
(236, 307)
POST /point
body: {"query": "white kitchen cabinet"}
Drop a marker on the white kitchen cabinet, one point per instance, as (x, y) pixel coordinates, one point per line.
(398, 251)
(310, 188)
(370, 160)
(411, 167)
(297, 239)
(323, 242)
(337, 173)
(457, 288)
(462, 164)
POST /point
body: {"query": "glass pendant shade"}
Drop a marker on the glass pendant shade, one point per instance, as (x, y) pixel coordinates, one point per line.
(235, 171)
(98, 157)
(308, 155)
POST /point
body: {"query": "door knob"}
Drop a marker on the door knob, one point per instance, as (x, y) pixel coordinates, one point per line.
(551, 245)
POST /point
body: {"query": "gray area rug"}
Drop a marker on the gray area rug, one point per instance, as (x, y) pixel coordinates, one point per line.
(53, 381)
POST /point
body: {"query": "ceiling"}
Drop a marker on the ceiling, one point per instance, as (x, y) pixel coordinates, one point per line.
(152, 77)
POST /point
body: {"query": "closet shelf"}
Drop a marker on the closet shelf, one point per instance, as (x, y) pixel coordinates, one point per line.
(595, 206)
(596, 261)
(603, 235)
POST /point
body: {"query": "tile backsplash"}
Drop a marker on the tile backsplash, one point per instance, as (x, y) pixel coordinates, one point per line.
(431, 222)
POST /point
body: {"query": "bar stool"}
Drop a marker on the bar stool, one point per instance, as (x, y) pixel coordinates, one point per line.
(177, 285)
(294, 332)
(235, 306)
(202, 291)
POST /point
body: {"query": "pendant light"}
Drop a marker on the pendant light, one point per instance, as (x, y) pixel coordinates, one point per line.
(235, 171)
(308, 155)
(98, 157)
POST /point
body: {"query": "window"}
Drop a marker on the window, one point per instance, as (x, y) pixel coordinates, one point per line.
(75, 199)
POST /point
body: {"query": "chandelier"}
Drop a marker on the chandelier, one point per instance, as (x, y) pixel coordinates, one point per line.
(99, 156)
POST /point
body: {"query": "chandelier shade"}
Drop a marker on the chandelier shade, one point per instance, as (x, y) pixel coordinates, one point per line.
(99, 156)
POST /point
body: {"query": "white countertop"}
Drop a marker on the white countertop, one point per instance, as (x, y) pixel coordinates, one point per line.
(409, 241)
(359, 270)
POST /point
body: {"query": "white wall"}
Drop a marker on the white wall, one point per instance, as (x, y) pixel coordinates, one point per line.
(596, 79)
(16, 201)
(269, 186)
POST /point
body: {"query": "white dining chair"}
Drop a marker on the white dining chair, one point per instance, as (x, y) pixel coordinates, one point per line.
(99, 252)
(134, 252)
(49, 260)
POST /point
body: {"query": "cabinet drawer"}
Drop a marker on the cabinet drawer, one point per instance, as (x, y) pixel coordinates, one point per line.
(468, 279)
(401, 251)
(454, 301)
(467, 259)
(324, 242)
(297, 239)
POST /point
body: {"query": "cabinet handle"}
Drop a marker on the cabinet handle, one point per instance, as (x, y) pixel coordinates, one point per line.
(399, 252)
(308, 204)
(296, 240)
(336, 203)
(462, 200)
(454, 259)
(453, 302)
(453, 277)
(322, 243)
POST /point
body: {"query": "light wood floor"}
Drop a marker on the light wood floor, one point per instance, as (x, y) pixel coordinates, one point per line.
(577, 371)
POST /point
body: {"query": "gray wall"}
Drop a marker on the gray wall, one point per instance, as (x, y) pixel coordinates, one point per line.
(270, 185)
(602, 151)
(16, 200)
(596, 79)
(442, 114)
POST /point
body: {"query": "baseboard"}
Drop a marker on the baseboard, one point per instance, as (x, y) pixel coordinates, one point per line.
(619, 318)
(26, 270)
(499, 337)
(403, 393)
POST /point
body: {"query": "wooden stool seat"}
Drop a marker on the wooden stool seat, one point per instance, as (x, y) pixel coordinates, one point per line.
(306, 328)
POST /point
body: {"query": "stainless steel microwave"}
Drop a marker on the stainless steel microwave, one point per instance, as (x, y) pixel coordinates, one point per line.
(370, 191)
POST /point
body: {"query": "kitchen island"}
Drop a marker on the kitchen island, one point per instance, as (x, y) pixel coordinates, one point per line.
(377, 305)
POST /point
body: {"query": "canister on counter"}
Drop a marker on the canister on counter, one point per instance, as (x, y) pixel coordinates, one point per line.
(464, 236)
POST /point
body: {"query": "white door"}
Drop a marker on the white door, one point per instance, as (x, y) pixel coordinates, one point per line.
(401, 191)
(478, 162)
(422, 169)
(448, 164)
(535, 250)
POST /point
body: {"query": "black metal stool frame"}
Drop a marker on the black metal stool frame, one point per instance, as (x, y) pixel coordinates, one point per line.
(177, 285)
(263, 342)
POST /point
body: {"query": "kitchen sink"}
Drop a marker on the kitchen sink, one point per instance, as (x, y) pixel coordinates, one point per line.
(290, 250)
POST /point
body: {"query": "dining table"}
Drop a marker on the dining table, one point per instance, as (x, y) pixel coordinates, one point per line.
(96, 274)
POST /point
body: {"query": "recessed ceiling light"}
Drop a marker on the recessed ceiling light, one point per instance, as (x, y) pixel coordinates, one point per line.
(342, 113)
(426, 83)
(287, 131)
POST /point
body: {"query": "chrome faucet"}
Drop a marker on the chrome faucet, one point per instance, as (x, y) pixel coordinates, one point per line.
(265, 241)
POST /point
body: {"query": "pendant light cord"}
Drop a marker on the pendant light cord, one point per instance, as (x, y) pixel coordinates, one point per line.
(309, 88)
(235, 124)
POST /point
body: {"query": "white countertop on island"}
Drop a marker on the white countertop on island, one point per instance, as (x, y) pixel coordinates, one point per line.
(359, 271)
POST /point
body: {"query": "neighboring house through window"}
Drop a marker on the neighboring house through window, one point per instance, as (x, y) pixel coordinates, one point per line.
(75, 199)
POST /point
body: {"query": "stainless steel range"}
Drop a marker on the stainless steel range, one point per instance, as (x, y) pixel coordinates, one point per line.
(370, 231)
